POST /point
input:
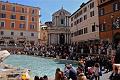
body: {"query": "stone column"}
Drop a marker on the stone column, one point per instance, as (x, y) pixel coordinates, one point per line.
(68, 38)
(58, 38)
(65, 38)
(66, 20)
(49, 38)
(56, 20)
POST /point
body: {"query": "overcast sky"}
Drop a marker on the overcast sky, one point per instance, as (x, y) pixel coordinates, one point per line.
(48, 7)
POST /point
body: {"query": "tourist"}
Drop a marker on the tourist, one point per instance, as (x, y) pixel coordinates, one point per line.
(45, 77)
(59, 74)
(91, 72)
(66, 71)
(81, 76)
(97, 72)
(72, 73)
(36, 78)
(41, 78)
(115, 75)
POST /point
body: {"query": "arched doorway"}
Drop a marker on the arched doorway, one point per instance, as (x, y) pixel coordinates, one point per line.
(116, 39)
(62, 38)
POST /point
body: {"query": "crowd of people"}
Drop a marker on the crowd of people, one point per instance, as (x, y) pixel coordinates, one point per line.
(41, 78)
(66, 51)
(93, 59)
(89, 68)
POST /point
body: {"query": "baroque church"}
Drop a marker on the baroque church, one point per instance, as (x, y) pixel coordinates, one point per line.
(59, 32)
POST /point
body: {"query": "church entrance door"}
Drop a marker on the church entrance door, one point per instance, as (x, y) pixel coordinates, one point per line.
(62, 38)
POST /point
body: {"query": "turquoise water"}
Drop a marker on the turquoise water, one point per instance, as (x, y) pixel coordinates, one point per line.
(38, 66)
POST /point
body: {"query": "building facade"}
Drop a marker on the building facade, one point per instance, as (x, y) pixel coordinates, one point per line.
(19, 23)
(109, 19)
(58, 32)
(43, 34)
(84, 22)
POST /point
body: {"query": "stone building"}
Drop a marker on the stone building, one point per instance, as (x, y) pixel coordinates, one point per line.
(58, 32)
(18, 23)
(84, 23)
(43, 34)
(109, 19)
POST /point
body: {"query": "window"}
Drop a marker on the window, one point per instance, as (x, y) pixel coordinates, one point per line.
(80, 13)
(85, 30)
(33, 11)
(13, 8)
(3, 7)
(77, 21)
(32, 26)
(80, 32)
(62, 21)
(72, 19)
(102, 27)
(115, 6)
(12, 33)
(2, 33)
(33, 19)
(85, 17)
(32, 34)
(91, 13)
(81, 19)
(85, 9)
(23, 10)
(71, 24)
(22, 26)
(91, 5)
(21, 33)
(93, 28)
(22, 17)
(101, 12)
(2, 24)
(72, 35)
(12, 24)
(2, 15)
(13, 16)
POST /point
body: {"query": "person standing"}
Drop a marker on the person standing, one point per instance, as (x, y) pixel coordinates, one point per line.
(72, 73)
(58, 74)
(97, 71)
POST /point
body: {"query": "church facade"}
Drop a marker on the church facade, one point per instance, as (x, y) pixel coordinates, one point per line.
(59, 31)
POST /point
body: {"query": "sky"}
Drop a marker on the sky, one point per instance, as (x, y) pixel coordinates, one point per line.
(48, 7)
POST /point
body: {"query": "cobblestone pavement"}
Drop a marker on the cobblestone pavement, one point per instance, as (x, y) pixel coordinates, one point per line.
(105, 76)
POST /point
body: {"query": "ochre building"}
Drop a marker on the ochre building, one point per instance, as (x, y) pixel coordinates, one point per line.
(109, 20)
(19, 24)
